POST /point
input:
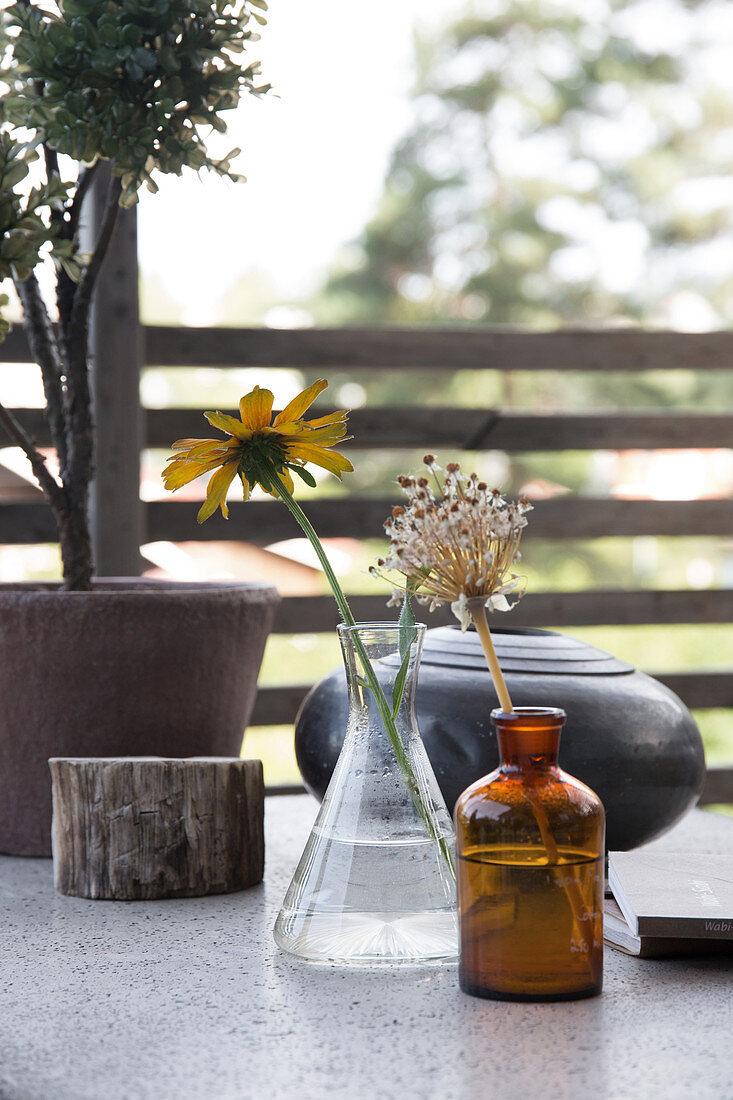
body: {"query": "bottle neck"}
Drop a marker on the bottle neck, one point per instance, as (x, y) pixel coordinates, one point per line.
(529, 737)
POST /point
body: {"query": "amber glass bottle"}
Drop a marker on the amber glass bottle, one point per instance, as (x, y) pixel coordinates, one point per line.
(530, 842)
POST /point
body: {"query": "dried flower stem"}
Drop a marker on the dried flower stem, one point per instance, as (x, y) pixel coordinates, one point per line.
(572, 889)
(477, 610)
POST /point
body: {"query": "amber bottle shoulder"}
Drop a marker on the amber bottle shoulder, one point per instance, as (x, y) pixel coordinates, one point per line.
(508, 786)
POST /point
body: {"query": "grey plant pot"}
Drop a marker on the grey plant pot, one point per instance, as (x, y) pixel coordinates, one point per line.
(136, 667)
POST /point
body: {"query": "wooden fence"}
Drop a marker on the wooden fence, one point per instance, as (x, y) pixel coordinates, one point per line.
(405, 350)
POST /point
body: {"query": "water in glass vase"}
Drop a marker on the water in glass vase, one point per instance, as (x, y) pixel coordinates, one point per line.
(375, 884)
(376, 902)
(528, 928)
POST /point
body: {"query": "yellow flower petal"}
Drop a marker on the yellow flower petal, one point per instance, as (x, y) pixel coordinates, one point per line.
(299, 404)
(293, 427)
(255, 409)
(180, 473)
(329, 460)
(217, 491)
(338, 417)
(174, 478)
(246, 488)
(228, 424)
(207, 448)
(189, 444)
(332, 433)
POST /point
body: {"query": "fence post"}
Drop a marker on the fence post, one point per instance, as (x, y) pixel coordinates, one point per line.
(116, 357)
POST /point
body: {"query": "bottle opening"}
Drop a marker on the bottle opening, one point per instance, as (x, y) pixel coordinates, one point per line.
(389, 625)
(522, 715)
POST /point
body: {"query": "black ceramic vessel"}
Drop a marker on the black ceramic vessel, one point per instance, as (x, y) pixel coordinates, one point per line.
(627, 736)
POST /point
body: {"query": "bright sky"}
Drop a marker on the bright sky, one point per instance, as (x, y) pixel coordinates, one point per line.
(315, 157)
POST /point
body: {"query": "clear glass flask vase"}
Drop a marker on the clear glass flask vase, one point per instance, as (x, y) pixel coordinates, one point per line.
(376, 881)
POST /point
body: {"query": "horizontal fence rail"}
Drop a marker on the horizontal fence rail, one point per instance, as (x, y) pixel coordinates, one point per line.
(484, 430)
(262, 523)
(459, 348)
(718, 786)
(437, 348)
(387, 427)
(317, 614)
(362, 518)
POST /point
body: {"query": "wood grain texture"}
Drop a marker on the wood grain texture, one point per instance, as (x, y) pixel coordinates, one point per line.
(14, 348)
(26, 523)
(718, 786)
(456, 348)
(263, 522)
(138, 828)
(486, 429)
(318, 614)
(115, 346)
(401, 428)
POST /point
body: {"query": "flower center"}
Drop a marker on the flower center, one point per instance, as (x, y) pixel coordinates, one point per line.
(261, 455)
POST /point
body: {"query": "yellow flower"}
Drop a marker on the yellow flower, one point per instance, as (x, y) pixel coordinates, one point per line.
(259, 448)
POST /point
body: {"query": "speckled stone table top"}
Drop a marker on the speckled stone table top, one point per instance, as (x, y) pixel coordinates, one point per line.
(191, 1000)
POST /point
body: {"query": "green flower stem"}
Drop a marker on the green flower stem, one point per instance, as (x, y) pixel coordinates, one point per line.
(310, 533)
(376, 688)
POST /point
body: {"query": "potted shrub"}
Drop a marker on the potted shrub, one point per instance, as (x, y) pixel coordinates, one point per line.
(107, 667)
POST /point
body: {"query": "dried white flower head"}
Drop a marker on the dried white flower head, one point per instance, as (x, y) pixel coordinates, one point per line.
(457, 546)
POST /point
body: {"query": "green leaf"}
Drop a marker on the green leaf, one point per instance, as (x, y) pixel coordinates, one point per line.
(399, 684)
(126, 82)
(407, 621)
(306, 475)
(71, 268)
(408, 634)
(144, 58)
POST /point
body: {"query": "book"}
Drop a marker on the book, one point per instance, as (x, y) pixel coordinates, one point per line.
(686, 895)
(617, 933)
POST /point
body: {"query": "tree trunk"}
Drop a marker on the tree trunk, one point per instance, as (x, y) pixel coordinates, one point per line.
(76, 548)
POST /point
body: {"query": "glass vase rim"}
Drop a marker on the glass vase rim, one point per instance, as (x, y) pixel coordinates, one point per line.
(386, 625)
(521, 714)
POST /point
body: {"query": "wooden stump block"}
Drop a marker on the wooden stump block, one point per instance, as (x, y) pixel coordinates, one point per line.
(147, 827)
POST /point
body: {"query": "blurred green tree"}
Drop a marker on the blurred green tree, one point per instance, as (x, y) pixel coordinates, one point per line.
(568, 163)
